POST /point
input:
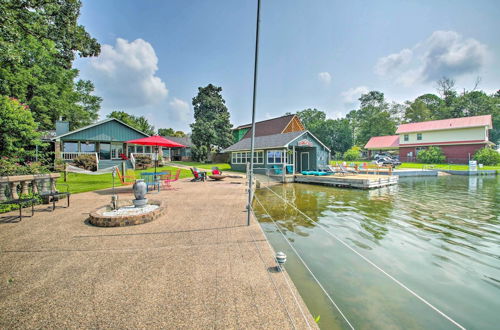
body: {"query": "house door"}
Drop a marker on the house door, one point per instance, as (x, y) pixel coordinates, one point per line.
(116, 150)
(304, 161)
(104, 150)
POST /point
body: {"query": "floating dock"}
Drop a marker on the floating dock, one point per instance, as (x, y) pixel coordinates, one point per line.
(359, 181)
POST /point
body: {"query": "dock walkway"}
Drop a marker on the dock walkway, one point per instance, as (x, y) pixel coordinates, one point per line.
(197, 267)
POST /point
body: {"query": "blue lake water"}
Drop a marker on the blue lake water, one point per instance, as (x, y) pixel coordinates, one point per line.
(439, 236)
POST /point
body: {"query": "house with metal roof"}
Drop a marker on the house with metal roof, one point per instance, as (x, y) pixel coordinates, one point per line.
(459, 138)
(104, 139)
(279, 142)
(179, 154)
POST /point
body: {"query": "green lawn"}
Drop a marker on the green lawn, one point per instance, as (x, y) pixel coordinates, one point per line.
(456, 167)
(79, 183)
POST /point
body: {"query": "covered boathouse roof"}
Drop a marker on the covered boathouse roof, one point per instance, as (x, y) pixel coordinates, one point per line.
(281, 140)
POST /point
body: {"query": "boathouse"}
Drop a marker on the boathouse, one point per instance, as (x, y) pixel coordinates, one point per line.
(279, 142)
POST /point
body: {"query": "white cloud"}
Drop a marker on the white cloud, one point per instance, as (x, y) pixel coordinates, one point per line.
(124, 74)
(352, 94)
(444, 53)
(325, 77)
(180, 111)
(390, 63)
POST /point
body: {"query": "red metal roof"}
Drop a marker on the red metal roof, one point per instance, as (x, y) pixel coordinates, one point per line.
(382, 142)
(453, 123)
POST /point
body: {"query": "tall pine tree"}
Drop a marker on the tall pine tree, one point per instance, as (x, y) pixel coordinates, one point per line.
(211, 130)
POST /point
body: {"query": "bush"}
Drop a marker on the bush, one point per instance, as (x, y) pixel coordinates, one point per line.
(143, 161)
(352, 154)
(13, 166)
(431, 155)
(87, 162)
(487, 156)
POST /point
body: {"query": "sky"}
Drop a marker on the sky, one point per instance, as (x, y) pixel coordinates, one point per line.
(312, 54)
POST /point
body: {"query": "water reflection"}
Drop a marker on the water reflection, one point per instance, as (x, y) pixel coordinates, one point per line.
(439, 235)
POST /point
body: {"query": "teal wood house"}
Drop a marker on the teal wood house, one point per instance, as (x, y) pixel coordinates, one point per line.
(104, 139)
(279, 142)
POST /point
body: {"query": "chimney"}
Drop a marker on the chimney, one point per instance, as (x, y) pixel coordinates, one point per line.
(61, 127)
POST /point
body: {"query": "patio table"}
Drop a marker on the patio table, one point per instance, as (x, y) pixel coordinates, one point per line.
(155, 181)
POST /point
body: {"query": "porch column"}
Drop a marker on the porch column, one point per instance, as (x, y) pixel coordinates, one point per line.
(293, 159)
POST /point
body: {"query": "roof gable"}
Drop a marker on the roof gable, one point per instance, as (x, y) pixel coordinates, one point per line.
(110, 129)
(275, 126)
(281, 140)
(453, 123)
(388, 141)
(185, 140)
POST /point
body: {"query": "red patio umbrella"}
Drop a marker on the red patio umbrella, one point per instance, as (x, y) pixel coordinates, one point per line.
(158, 141)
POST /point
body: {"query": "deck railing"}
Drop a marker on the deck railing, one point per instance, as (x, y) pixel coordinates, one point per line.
(12, 186)
(132, 160)
(73, 155)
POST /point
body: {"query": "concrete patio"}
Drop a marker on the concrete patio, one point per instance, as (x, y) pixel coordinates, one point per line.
(198, 266)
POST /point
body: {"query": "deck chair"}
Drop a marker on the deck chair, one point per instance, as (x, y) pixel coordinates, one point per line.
(128, 178)
(277, 169)
(347, 170)
(289, 169)
(198, 175)
(169, 178)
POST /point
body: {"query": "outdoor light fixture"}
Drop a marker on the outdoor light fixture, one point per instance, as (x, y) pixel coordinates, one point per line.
(280, 259)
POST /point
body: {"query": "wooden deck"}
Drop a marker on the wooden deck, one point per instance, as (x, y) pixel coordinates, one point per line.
(359, 181)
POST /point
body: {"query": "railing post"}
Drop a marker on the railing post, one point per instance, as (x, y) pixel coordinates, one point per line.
(3, 186)
(13, 190)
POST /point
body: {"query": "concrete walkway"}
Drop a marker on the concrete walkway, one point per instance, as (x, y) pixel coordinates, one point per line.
(197, 267)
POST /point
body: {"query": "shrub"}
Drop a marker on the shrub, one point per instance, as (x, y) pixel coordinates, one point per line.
(431, 155)
(487, 156)
(352, 154)
(13, 166)
(87, 162)
(143, 161)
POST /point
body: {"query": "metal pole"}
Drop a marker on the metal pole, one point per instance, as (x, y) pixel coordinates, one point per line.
(250, 181)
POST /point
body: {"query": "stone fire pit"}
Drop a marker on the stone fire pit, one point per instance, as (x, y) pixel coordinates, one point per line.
(126, 214)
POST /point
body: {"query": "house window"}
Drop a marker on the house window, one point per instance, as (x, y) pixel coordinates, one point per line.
(87, 147)
(274, 156)
(70, 147)
(244, 157)
(147, 149)
(406, 137)
(419, 136)
(139, 149)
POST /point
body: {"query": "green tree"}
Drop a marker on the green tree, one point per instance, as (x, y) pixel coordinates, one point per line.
(49, 20)
(311, 117)
(435, 105)
(18, 129)
(170, 132)
(212, 128)
(372, 119)
(417, 111)
(38, 40)
(334, 133)
(140, 123)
